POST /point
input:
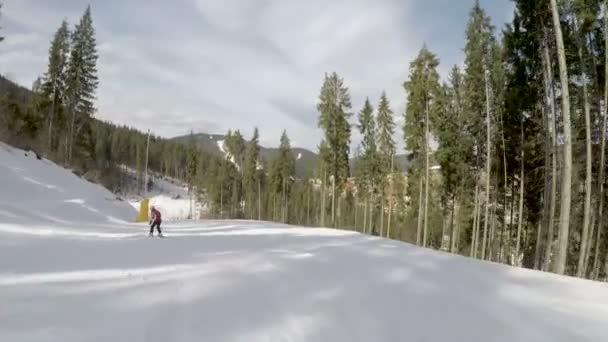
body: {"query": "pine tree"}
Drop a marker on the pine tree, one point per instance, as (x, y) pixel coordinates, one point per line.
(286, 170)
(369, 162)
(454, 150)
(82, 81)
(250, 178)
(386, 147)
(192, 162)
(422, 90)
(54, 81)
(334, 108)
(478, 57)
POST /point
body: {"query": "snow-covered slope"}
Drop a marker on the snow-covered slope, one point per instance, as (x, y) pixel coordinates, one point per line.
(38, 191)
(254, 281)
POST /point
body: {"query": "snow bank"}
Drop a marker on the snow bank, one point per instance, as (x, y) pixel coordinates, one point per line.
(33, 190)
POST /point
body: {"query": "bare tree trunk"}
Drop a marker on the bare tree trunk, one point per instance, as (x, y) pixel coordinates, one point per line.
(71, 145)
(475, 211)
(259, 200)
(478, 227)
(544, 220)
(564, 214)
(419, 226)
(454, 227)
(512, 208)
(356, 215)
(580, 269)
(522, 183)
(333, 201)
(370, 225)
(600, 219)
(538, 250)
(308, 207)
(426, 178)
(488, 168)
(51, 117)
(365, 216)
(504, 163)
(492, 244)
(274, 207)
(382, 217)
(286, 207)
(391, 196)
(553, 192)
(589, 244)
(323, 204)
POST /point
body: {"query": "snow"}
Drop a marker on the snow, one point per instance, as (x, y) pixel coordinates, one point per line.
(169, 195)
(33, 190)
(299, 156)
(172, 209)
(67, 273)
(227, 154)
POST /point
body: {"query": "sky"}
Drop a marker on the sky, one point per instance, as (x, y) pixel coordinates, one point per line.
(211, 65)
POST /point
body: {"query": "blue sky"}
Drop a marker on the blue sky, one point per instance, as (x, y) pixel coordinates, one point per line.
(213, 65)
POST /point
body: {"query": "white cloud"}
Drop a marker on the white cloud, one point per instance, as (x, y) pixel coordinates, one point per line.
(214, 65)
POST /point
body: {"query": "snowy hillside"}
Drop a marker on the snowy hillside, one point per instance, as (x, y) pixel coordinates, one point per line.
(71, 270)
(35, 191)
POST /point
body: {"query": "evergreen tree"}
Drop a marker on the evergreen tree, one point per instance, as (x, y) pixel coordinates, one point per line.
(251, 175)
(334, 108)
(453, 151)
(422, 90)
(54, 81)
(480, 43)
(82, 81)
(285, 164)
(386, 147)
(369, 161)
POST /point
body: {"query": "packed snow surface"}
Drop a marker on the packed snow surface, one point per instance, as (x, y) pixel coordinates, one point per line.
(70, 274)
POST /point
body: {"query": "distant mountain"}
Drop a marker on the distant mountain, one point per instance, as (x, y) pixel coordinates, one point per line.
(305, 159)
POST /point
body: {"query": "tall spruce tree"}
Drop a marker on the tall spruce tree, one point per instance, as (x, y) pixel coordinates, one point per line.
(251, 175)
(286, 170)
(369, 162)
(478, 57)
(422, 90)
(334, 107)
(386, 147)
(82, 81)
(54, 81)
(453, 152)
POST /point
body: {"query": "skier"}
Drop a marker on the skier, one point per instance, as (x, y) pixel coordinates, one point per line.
(155, 220)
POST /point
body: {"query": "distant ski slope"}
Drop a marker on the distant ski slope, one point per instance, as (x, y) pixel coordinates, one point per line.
(82, 272)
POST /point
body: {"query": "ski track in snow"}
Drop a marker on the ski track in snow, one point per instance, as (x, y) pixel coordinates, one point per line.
(71, 274)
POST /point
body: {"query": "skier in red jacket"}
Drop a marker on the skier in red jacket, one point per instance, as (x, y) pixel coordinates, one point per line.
(155, 220)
